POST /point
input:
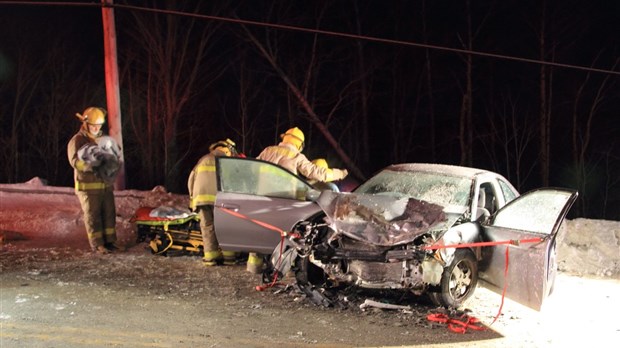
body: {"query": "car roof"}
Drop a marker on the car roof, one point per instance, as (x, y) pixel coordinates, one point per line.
(440, 169)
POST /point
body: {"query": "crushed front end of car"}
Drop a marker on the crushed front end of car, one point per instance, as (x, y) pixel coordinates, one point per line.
(376, 241)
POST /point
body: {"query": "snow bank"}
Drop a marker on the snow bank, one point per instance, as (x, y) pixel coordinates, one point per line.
(591, 247)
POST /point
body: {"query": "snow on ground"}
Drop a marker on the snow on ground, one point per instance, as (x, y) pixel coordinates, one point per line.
(38, 213)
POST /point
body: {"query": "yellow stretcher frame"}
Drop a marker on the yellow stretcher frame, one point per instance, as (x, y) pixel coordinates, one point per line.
(163, 235)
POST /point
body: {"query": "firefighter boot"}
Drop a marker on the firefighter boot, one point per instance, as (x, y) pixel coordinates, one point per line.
(255, 263)
(230, 257)
(114, 247)
(210, 257)
(101, 250)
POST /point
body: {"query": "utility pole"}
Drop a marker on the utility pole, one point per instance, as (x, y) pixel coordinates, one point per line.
(111, 84)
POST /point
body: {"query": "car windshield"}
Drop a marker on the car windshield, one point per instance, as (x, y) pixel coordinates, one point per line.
(438, 188)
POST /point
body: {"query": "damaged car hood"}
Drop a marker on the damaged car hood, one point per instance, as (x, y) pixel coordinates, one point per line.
(385, 220)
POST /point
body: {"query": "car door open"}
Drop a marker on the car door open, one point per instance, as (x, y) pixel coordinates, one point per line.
(261, 195)
(524, 266)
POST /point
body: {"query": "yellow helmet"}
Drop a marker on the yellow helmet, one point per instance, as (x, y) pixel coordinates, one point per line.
(93, 115)
(294, 136)
(226, 146)
(320, 162)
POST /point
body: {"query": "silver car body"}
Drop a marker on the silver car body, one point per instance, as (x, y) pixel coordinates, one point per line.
(405, 206)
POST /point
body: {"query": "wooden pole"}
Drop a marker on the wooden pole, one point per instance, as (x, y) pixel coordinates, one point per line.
(111, 83)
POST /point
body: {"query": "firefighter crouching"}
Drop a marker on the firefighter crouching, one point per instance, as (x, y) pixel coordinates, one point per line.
(96, 160)
(202, 188)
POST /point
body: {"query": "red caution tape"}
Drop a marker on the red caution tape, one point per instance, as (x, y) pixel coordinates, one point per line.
(274, 282)
(260, 223)
(505, 286)
(458, 324)
(483, 244)
(282, 233)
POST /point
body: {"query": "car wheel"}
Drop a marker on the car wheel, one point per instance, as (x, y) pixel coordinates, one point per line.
(458, 280)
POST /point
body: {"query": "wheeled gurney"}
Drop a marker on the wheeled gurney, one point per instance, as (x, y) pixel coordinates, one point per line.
(168, 228)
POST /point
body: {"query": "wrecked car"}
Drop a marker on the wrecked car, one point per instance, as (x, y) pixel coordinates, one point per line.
(429, 229)
(426, 229)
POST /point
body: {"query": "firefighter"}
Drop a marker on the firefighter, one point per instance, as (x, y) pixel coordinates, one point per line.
(202, 187)
(96, 194)
(288, 154)
(323, 185)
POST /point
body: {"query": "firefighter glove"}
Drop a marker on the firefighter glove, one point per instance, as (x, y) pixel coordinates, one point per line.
(339, 174)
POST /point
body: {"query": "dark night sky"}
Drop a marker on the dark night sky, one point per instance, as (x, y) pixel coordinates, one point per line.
(579, 33)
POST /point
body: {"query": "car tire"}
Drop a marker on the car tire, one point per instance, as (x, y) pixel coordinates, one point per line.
(458, 281)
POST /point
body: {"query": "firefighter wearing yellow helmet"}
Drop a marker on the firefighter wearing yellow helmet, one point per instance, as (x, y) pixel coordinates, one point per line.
(202, 188)
(288, 154)
(323, 185)
(95, 194)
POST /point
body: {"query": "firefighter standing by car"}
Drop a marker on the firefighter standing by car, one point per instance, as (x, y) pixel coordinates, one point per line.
(95, 193)
(288, 154)
(202, 186)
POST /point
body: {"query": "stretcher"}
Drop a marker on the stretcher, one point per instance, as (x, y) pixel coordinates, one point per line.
(168, 228)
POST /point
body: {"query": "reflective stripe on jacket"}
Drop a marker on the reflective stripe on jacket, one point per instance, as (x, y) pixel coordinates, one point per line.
(201, 185)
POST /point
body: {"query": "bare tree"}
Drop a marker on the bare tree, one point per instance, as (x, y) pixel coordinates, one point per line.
(250, 102)
(300, 93)
(510, 135)
(45, 88)
(582, 133)
(27, 81)
(544, 111)
(612, 182)
(56, 120)
(466, 122)
(429, 86)
(364, 92)
(168, 73)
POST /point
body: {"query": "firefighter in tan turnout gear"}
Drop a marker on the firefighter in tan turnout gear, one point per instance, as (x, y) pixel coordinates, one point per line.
(202, 187)
(95, 160)
(288, 154)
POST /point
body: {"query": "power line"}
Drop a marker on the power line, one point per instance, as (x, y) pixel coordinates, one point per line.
(317, 31)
